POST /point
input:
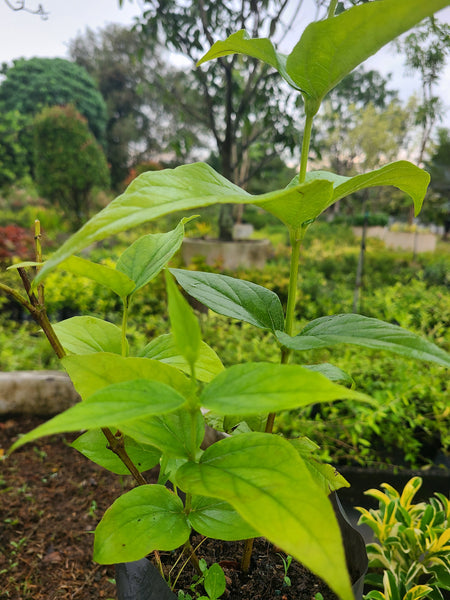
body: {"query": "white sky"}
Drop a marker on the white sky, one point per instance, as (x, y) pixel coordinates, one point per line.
(27, 35)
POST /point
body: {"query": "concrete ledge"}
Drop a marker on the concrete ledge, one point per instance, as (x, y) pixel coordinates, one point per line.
(36, 393)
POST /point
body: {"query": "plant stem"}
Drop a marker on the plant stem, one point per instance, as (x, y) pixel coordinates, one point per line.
(126, 305)
(116, 445)
(296, 242)
(332, 8)
(38, 246)
(247, 555)
(305, 148)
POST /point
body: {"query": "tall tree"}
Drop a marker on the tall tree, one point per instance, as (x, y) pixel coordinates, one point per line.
(68, 160)
(140, 117)
(29, 85)
(426, 49)
(241, 100)
(437, 207)
(13, 153)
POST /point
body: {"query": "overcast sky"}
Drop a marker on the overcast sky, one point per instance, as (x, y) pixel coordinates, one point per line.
(27, 35)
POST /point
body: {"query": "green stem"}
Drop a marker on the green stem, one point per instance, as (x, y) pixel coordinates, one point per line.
(296, 241)
(305, 148)
(332, 8)
(126, 305)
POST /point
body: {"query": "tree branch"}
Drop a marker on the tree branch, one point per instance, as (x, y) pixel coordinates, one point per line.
(20, 5)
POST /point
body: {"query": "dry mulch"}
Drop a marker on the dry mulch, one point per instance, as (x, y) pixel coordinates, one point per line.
(51, 499)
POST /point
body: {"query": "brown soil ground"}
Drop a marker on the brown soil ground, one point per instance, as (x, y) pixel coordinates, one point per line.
(51, 499)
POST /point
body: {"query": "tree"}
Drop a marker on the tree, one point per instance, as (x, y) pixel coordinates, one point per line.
(68, 160)
(437, 206)
(143, 119)
(13, 153)
(336, 121)
(426, 49)
(242, 100)
(30, 85)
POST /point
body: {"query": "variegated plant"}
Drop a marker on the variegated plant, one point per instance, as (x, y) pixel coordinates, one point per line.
(413, 542)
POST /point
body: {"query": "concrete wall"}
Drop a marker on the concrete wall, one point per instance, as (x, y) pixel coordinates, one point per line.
(421, 242)
(231, 255)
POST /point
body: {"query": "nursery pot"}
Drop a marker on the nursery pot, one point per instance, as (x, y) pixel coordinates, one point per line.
(140, 580)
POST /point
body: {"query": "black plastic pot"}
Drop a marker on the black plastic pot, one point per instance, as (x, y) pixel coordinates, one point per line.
(140, 580)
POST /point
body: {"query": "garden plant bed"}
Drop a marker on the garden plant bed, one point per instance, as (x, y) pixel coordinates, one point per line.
(52, 499)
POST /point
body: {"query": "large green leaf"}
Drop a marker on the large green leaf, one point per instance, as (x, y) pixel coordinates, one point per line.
(157, 193)
(147, 518)
(116, 281)
(164, 349)
(329, 49)
(94, 445)
(260, 48)
(232, 297)
(85, 335)
(148, 255)
(217, 519)
(110, 407)
(311, 199)
(264, 479)
(401, 174)
(91, 372)
(171, 433)
(366, 332)
(185, 326)
(253, 388)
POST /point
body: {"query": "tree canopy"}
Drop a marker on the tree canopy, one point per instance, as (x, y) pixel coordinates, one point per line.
(68, 160)
(242, 101)
(143, 118)
(29, 85)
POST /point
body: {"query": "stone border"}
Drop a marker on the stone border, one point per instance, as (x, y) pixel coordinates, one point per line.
(43, 393)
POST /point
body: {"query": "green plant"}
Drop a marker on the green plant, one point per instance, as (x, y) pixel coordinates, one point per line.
(146, 409)
(286, 564)
(413, 547)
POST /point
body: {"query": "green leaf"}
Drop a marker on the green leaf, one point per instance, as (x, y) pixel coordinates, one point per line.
(169, 433)
(92, 372)
(148, 255)
(185, 327)
(85, 335)
(116, 281)
(110, 407)
(325, 475)
(215, 582)
(401, 174)
(332, 373)
(147, 518)
(234, 298)
(329, 49)
(94, 445)
(263, 477)
(241, 43)
(253, 388)
(365, 332)
(297, 211)
(157, 193)
(164, 349)
(217, 519)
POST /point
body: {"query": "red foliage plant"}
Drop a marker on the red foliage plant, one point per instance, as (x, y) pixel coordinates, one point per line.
(15, 242)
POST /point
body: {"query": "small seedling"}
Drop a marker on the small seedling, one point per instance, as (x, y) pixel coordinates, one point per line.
(286, 564)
